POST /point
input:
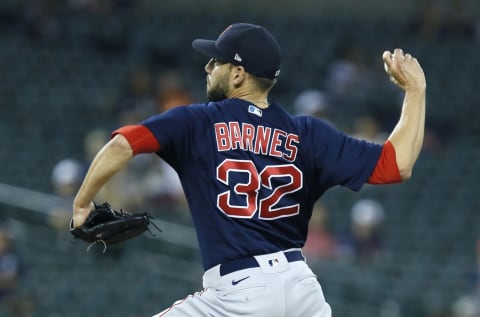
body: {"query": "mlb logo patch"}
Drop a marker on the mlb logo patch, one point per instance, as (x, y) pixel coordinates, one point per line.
(254, 110)
(274, 262)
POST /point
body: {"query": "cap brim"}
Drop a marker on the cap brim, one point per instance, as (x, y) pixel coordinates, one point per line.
(207, 48)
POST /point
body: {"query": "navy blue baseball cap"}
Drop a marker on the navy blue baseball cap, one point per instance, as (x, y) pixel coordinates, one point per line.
(247, 45)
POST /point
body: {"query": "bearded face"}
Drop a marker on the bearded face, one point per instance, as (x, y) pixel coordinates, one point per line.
(217, 80)
(218, 90)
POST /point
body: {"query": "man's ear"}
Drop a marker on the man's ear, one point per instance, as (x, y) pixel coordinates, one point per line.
(238, 75)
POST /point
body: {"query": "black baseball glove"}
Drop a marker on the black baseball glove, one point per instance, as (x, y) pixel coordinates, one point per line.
(109, 226)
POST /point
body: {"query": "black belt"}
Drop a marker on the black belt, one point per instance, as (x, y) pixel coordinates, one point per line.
(250, 262)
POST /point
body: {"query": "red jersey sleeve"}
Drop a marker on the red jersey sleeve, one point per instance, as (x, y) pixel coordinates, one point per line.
(386, 171)
(141, 139)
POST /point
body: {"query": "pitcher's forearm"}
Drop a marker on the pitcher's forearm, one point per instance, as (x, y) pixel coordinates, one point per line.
(111, 159)
(407, 137)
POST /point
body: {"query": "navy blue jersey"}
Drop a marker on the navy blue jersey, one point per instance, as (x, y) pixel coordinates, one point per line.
(251, 175)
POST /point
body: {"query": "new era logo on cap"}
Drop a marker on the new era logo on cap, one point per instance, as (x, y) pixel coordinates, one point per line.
(245, 44)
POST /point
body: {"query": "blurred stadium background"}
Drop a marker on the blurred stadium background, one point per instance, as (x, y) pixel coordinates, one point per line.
(64, 64)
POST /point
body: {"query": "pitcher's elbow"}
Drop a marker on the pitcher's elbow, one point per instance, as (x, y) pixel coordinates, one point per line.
(406, 173)
(120, 144)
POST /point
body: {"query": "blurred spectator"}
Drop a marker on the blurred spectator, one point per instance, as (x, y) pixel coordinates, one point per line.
(93, 142)
(367, 128)
(67, 175)
(349, 83)
(170, 91)
(9, 266)
(390, 308)
(312, 102)
(348, 75)
(468, 305)
(66, 179)
(12, 301)
(362, 242)
(163, 190)
(136, 101)
(433, 142)
(320, 244)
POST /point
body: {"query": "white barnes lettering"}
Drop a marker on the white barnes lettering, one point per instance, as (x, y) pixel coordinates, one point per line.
(256, 139)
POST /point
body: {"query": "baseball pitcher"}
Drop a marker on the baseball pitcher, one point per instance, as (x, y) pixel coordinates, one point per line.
(251, 173)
